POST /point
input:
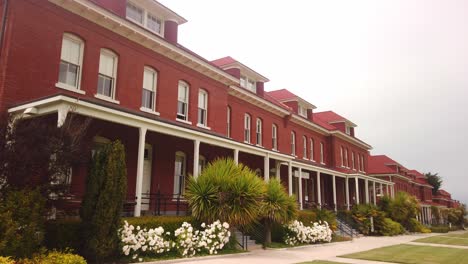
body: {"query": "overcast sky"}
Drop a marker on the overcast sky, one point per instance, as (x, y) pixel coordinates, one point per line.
(396, 68)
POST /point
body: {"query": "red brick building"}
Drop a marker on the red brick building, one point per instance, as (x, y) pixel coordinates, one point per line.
(119, 62)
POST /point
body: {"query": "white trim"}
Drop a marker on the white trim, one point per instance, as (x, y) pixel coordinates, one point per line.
(148, 110)
(69, 88)
(183, 121)
(77, 39)
(106, 98)
(202, 126)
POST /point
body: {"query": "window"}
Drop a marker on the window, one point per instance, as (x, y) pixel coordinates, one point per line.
(293, 143)
(182, 101)
(352, 161)
(228, 118)
(312, 149)
(321, 153)
(348, 130)
(201, 163)
(274, 137)
(362, 163)
(259, 132)
(359, 162)
(247, 128)
(341, 156)
(302, 111)
(71, 60)
(248, 84)
(144, 18)
(179, 173)
(107, 73)
(346, 158)
(304, 147)
(148, 100)
(203, 108)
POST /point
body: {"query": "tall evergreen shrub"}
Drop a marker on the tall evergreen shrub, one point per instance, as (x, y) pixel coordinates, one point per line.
(106, 188)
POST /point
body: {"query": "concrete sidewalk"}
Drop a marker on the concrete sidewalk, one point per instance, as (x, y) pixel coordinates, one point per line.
(306, 253)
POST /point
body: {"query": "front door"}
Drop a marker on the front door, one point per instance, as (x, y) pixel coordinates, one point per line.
(146, 188)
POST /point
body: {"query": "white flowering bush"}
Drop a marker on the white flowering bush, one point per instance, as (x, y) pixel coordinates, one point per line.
(137, 240)
(298, 233)
(187, 241)
(214, 237)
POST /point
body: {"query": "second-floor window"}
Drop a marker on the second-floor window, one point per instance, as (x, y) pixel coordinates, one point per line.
(274, 137)
(312, 149)
(259, 132)
(182, 101)
(321, 153)
(293, 143)
(359, 162)
(148, 99)
(341, 156)
(346, 158)
(304, 147)
(247, 128)
(362, 163)
(71, 61)
(228, 121)
(352, 161)
(107, 73)
(203, 108)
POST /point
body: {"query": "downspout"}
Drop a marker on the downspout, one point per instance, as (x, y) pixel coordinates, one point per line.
(2, 32)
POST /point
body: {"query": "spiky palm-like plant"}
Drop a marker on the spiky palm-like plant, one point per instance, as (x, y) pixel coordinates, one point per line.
(278, 207)
(226, 191)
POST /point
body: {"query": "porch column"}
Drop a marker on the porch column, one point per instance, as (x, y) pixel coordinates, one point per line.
(356, 181)
(62, 113)
(430, 216)
(139, 178)
(236, 156)
(393, 191)
(300, 189)
(381, 189)
(387, 191)
(196, 157)
(290, 187)
(266, 167)
(278, 170)
(347, 192)
(334, 191)
(374, 193)
(366, 188)
(319, 191)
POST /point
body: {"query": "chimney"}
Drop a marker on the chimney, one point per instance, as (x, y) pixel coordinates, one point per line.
(260, 89)
(170, 31)
(310, 115)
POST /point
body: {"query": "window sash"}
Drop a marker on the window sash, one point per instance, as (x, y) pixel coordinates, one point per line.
(149, 80)
(107, 65)
(69, 73)
(321, 153)
(105, 85)
(153, 23)
(247, 128)
(304, 147)
(259, 132)
(71, 51)
(202, 116)
(179, 174)
(274, 139)
(228, 127)
(312, 149)
(134, 13)
(148, 99)
(182, 110)
(293, 143)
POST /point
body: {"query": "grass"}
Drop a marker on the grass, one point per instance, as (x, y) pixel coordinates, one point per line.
(448, 239)
(411, 254)
(321, 262)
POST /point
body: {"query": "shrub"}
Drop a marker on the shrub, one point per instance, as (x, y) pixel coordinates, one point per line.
(6, 260)
(403, 208)
(62, 234)
(307, 217)
(440, 229)
(106, 188)
(389, 227)
(169, 223)
(55, 257)
(298, 233)
(226, 191)
(21, 223)
(328, 216)
(361, 215)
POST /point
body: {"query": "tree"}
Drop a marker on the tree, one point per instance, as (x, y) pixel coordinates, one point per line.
(106, 188)
(226, 191)
(278, 207)
(403, 208)
(435, 180)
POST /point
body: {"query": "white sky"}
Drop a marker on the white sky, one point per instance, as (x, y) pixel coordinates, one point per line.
(396, 68)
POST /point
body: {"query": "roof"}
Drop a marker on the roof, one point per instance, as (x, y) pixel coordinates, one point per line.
(332, 117)
(417, 174)
(283, 94)
(229, 62)
(379, 164)
(443, 193)
(323, 124)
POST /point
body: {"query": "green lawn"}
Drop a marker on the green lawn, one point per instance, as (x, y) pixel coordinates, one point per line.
(447, 239)
(321, 262)
(411, 254)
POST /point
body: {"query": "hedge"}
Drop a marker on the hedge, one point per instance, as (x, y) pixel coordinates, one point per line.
(169, 223)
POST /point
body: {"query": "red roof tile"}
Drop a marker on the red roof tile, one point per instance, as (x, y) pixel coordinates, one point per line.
(329, 116)
(378, 164)
(417, 174)
(282, 94)
(323, 124)
(223, 61)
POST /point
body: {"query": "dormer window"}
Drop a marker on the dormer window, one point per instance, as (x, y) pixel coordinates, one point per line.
(248, 84)
(302, 111)
(144, 18)
(348, 130)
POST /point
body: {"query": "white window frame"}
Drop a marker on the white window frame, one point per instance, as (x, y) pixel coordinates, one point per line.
(259, 132)
(312, 155)
(346, 157)
(341, 156)
(145, 15)
(304, 147)
(184, 117)
(66, 86)
(352, 161)
(247, 127)
(245, 83)
(228, 122)
(274, 137)
(348, 130)
(322, 161)
(293, 143)
(362, 163)
(359, 162)
(204, 122)
(153, 89)
(302, 110)
(109, 53)
(179, 180)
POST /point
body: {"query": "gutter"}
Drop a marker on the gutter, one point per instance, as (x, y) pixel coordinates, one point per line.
(4, 18)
